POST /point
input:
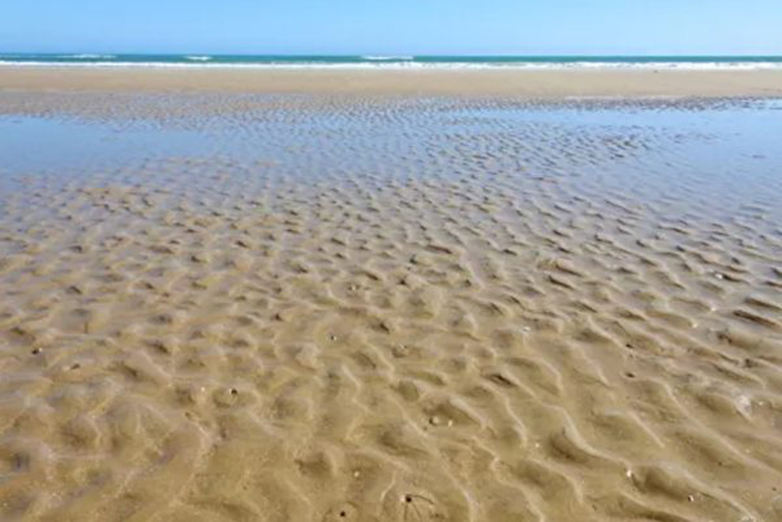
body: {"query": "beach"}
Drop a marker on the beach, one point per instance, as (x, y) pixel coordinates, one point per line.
(378, 295)
(549, 84)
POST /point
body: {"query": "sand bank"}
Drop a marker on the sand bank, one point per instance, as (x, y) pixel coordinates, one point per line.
(534, 84)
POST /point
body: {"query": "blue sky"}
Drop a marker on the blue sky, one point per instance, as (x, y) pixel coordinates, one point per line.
(394, 26)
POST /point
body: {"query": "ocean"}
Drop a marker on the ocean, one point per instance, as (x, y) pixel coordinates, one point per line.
(399, 62)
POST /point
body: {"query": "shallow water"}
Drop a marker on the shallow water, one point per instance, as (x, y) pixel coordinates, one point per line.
(251, 307)
(718, 155)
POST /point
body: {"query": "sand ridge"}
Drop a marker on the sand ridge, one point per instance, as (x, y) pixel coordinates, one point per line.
(491, 332)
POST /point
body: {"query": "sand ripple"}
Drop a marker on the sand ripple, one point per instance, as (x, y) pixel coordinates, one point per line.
(394, 322)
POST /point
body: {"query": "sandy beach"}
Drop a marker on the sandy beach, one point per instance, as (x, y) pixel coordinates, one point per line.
(491, 82)
(278, 296)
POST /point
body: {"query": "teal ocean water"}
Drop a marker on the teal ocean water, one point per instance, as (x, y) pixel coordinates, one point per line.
(537, 62)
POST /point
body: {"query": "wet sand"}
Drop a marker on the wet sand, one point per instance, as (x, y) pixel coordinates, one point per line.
(524, 83)
(249, 307)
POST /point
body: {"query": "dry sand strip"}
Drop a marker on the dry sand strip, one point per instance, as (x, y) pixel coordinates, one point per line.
(523, 83)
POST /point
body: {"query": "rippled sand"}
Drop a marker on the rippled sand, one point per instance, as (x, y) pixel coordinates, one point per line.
(292, 308)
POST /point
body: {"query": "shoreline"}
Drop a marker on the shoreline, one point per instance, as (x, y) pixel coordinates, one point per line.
(544, 84)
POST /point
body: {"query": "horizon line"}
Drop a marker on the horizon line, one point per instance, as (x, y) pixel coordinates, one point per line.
(402, 54)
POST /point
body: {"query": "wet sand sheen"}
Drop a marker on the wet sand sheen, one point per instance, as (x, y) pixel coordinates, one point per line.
(389, 310)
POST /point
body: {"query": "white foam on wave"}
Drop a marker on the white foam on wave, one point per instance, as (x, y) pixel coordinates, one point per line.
(199, 58)
(87, 56)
